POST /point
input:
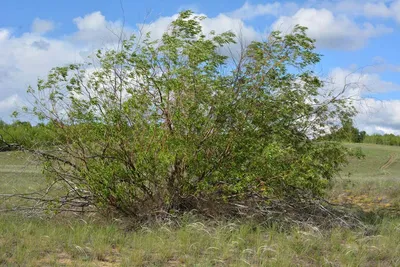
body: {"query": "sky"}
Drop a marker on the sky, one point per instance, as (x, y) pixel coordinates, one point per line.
(359, 41)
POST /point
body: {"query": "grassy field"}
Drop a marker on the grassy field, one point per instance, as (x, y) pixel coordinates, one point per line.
(18, 174)
(373, 183)
(374, 187)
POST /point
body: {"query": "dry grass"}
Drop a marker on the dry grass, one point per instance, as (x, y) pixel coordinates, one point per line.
(66, 242)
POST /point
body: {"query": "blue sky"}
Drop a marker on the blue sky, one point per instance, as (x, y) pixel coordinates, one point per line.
(359, 41)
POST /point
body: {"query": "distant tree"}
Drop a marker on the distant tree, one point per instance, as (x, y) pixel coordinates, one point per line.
(172, 124)
(346, 133)
(361, 137)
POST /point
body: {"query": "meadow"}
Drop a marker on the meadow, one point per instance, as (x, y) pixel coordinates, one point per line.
(370, 185)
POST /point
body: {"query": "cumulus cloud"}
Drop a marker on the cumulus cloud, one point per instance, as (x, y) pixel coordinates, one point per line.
(379, 116)
(329, 30)
(395, 7)
(10, 102)
(4, 34)
(350, 8)
(383, 10)
(377, 10)
(25, 58)
(31, 55)
(386, 9)
(361, 83)
(95, 29)
(223, 23)
(249, 11)
(374, 116)
(42, 26)
(93, 21)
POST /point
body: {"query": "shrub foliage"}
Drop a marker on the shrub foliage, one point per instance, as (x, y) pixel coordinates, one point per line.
(175, 124)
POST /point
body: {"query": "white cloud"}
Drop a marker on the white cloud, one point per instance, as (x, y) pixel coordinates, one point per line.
(386, 9)
(223, 23)
(95, 29)
(351, 8)
(31, 55)
(361, 83)
(377, 10)
(10, 102)
(379, 116)
(395, 7)
(42, 26)
(25, 58)
(93, 21)
(383, 10)
(249, 11)
(330, 31)
(4, 34)
(375, 116)
(348, 6)
(158, 27)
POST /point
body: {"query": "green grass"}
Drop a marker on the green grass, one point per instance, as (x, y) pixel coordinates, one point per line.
(372, 182)
(373, 166)
(18, 173)
(93, 241)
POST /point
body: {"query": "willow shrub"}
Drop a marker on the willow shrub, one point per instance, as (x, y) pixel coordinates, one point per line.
(161, 125)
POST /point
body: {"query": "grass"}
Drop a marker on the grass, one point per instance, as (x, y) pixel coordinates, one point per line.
(373, 183)
(375, 163)
(93, 241)
(18, 174)
(66, 242)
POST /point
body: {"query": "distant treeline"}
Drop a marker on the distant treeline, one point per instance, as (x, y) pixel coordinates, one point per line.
(28, 135)
(386, 139)
(24, 134)
(349, 133)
